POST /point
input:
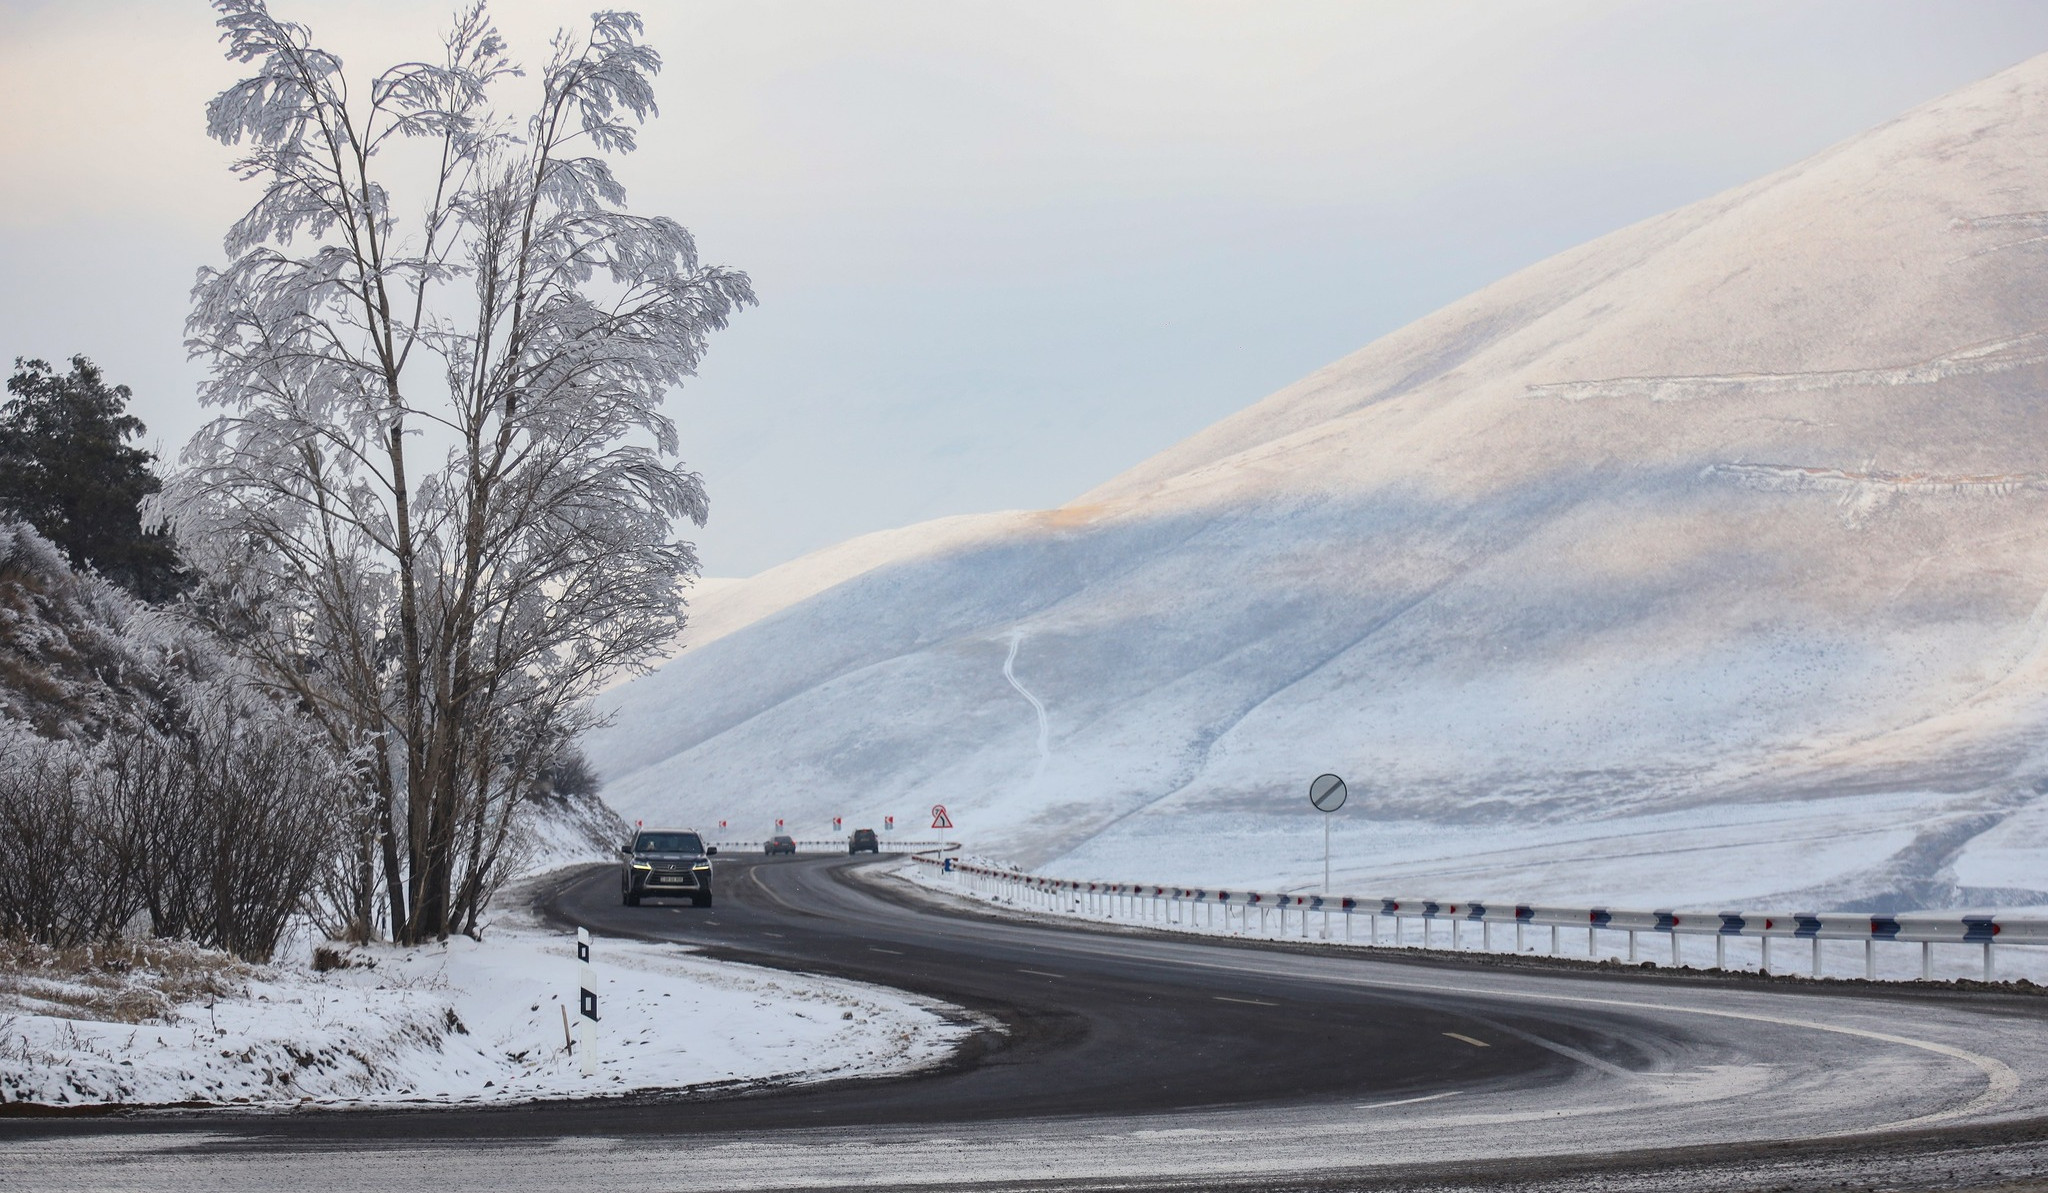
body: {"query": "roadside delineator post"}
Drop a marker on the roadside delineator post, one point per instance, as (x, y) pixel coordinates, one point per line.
(586, 1019)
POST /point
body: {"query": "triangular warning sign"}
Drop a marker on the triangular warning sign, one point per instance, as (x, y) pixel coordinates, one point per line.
(939, 817)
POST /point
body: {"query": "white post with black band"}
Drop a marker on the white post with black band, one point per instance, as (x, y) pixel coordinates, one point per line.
(586, 1019)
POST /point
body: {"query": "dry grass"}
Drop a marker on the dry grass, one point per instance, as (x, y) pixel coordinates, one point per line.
(123, 982)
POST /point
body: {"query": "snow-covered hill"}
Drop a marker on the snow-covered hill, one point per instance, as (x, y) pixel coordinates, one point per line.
(1708, 556)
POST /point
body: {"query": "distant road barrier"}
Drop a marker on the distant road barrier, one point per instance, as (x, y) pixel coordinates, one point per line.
(1198, 907)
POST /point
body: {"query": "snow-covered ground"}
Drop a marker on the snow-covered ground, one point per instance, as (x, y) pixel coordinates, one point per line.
(1812, 854)
(558, 831)
(464, 1022)
(1703, 562)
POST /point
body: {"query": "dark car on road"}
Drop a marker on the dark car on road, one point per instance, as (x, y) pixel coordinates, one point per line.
(863, 841)
(671, 863)
(779, 843)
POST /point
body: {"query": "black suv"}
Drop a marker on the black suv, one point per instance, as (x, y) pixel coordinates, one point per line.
(863, 839)
(666, 862)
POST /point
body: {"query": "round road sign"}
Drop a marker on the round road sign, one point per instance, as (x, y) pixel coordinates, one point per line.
(1327, 793)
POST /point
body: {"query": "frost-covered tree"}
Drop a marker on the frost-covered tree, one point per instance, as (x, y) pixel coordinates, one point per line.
(440, 502)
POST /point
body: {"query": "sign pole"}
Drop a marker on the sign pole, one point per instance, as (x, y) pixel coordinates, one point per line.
(1326, 795)
(940, 820)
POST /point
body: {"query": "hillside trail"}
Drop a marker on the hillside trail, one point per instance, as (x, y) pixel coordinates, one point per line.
(1037, 706)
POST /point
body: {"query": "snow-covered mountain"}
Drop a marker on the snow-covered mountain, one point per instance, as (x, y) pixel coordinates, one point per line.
(1708, 560)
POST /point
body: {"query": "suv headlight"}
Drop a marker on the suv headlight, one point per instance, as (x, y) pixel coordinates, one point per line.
(701, 866)
(642, 866)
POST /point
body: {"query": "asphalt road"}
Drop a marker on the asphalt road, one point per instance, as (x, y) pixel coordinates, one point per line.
(1086, 1029)
(1130, 1060)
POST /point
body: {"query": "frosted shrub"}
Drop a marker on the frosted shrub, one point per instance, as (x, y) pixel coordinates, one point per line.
(217, 830)
(58, 885)
(229, 823)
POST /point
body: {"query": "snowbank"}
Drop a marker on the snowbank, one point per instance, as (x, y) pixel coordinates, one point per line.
(556, 831)
(465, 1022)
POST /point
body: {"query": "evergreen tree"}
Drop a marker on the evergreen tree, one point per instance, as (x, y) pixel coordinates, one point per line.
(67, 469)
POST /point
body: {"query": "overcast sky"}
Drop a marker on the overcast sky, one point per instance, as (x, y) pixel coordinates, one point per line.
(1004, 250)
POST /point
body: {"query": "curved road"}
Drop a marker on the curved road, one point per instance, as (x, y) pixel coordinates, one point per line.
(1151, 1061)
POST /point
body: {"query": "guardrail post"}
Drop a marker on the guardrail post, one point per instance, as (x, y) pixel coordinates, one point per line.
(1632, 946)
(1553, 940)
(1454, 934)
(1926, 960)
(1593, 941)
(1764, 964)
(1816, 956)
(1518, 936)
(1720, 951)
(1987, 960)
(1869, 960)
(1486, 936)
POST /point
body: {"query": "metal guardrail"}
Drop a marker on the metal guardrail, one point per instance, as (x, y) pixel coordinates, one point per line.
(1175, 904)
